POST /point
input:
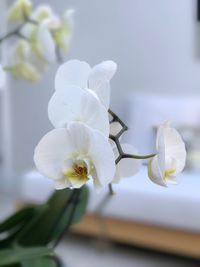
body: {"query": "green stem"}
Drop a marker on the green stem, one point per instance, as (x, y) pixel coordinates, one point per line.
(17, 32)
(116, 139)
(138, 156)
(111, 191)
(8, 35)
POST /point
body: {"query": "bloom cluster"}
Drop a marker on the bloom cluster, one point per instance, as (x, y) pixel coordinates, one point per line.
(41, 37)
(85, 144)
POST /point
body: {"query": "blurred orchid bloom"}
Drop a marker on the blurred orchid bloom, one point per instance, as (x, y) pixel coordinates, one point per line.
(127, 167)
(96, 79)
(2, 77)
(61, 28)
(71, 156)
(44, 44)
(20, 10)
(72, 103)
(62, 34)
(48, 34)
(42, 12)
(41, 41)
(19, 62)
(170, 159)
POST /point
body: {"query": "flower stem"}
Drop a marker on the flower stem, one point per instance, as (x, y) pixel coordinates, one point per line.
(115, 118)
(115, 139)
(111, 191)
(8, 35)
(138, 156)
(17, 32)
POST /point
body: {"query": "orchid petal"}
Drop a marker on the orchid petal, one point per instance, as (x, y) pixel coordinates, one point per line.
(51, 153)
(73, 72)
(76, 143)
(105, 69)
(47, 43)
(126, 167)
(103, 159)
(76, 104)
(99, 80)
(155, 173)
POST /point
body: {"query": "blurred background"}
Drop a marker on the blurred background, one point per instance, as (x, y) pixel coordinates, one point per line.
(156, 45)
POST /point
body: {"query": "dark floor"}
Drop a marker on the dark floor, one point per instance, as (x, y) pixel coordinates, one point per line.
(87, 252)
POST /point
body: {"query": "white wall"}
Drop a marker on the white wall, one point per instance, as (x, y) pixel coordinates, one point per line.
(155, 44)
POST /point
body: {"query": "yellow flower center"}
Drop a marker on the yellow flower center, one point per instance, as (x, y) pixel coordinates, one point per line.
(169, 173)
(77, 173)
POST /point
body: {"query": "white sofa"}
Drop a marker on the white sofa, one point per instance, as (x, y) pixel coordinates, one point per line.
(140, 213)
(137, 199)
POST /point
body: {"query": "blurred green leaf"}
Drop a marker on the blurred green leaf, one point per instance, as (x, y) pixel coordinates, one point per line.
(10, 227)
(73, 214)
(18, 218)
(16, 255)
(64, 208)
(6, 242)
(82, 205)
(14, 225)
(14, 265)
(41, 262)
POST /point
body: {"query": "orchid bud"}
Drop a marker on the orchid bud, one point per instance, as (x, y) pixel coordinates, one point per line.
(24, 71)
(20, 10)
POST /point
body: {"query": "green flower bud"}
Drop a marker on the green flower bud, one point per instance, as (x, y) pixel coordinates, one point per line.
(42, 12)
(62, 37)
(20, 10)
(22, 50)
(25, 71)
(62, 34)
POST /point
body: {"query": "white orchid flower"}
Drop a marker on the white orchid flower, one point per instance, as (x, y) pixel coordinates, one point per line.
(77, 104)
(19, 62)
(2, 77)
(71, 156)
(170, 159)
(96, 79)
(126, 167)
(20, 10)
